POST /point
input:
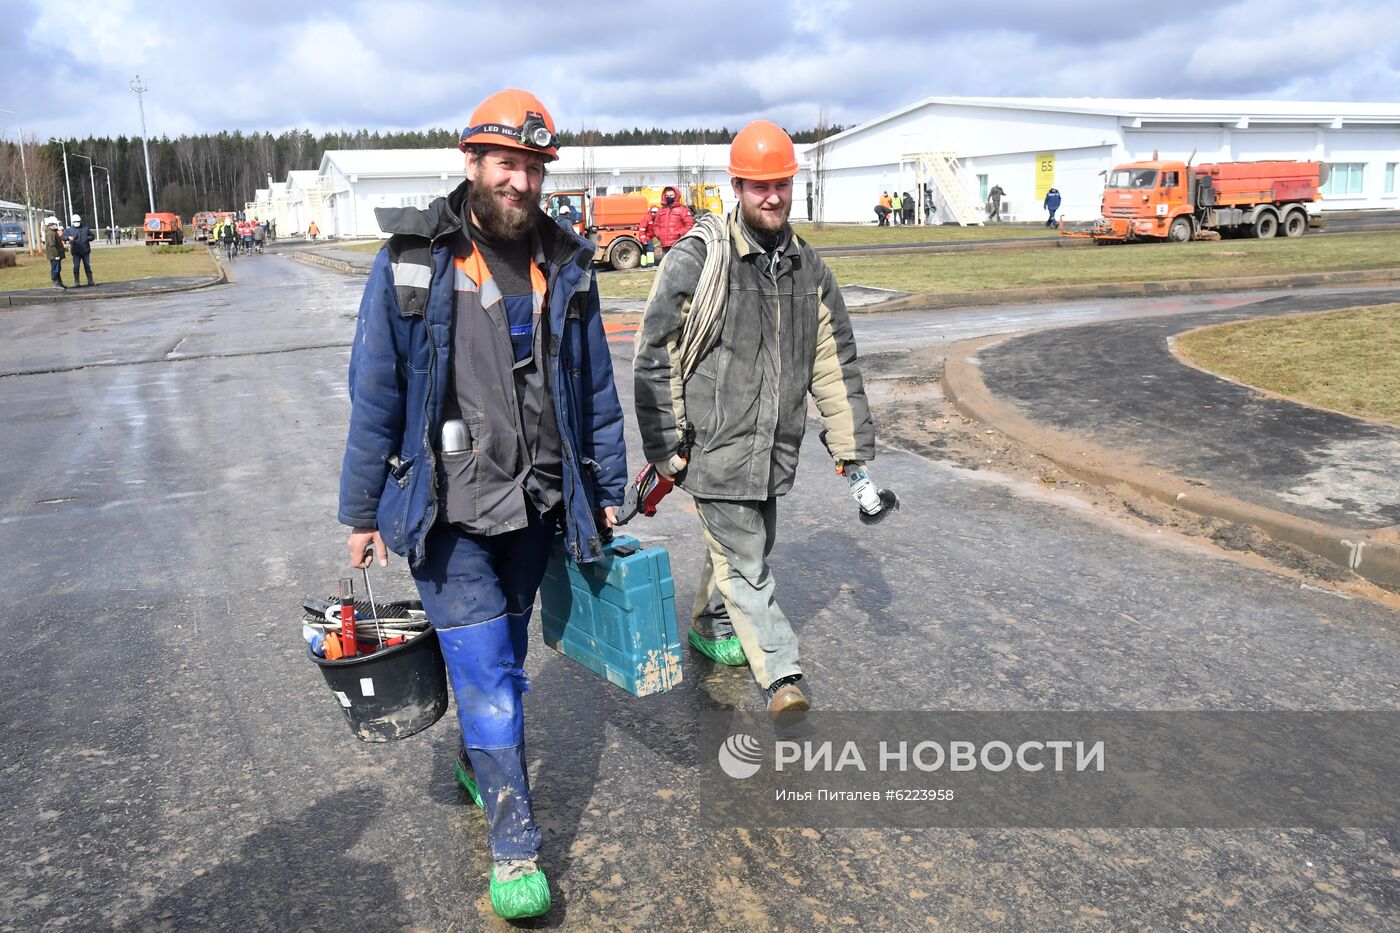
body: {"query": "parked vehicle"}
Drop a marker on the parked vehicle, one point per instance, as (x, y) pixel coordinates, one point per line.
(612, 221)
(1176, 201)
(203, 224)
(163, 228)
(12, 235)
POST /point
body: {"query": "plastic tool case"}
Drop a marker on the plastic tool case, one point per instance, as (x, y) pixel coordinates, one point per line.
(615, 616)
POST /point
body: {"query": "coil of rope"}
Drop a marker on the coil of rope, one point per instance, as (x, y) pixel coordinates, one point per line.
(706, 317)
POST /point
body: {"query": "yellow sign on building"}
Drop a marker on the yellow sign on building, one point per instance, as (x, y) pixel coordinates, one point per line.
(1044, 174)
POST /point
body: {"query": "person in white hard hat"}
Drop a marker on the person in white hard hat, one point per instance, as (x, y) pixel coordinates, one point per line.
(80, 237)
(53, 249)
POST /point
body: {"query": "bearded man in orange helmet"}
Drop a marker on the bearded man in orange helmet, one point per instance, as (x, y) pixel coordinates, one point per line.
(483, 422)
(723, 370)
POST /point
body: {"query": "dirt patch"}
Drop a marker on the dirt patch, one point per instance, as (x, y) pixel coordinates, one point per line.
(913, 414)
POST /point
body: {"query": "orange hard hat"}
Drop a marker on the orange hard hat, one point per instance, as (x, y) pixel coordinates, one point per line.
(513, 119)
(762, 152)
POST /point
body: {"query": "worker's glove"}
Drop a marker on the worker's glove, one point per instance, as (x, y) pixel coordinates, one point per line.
(671, 466)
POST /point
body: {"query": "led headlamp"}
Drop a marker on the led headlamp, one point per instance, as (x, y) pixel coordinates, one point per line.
(533, 132)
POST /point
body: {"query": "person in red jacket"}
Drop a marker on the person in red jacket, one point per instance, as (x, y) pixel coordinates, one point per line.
(672, 220)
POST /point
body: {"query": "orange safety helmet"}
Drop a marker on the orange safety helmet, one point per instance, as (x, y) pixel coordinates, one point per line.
(513, 119)
(762, 152)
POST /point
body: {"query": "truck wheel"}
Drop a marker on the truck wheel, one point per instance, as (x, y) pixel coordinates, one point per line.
(1180, 230)
(1295, 224)
(1265, 226)
(624, 255)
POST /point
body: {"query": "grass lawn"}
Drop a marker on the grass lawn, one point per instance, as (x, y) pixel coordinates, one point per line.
(1348, 361)
(111, 264)
(363, 246)
(1138, 262)
(1144, 262)
(866, 234)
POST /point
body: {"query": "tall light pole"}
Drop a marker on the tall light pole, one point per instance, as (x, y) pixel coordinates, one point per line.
(138, 88)
(30, 228)
(111, 205)
(67, 184)
(92, 186)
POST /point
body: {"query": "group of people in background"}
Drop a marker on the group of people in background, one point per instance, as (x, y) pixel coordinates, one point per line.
(59, 241)
(242, 236)
(897, 208)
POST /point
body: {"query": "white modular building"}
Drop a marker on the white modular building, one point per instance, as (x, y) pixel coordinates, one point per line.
(1027, 145)
(353, 182)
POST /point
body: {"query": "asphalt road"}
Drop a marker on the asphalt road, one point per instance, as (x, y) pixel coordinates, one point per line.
(174, 762)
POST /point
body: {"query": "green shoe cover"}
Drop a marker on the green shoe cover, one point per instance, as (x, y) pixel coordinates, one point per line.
(726, 651)
(526, 896)
(468, 783)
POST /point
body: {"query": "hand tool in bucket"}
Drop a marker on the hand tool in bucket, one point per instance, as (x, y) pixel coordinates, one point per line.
(392, 693)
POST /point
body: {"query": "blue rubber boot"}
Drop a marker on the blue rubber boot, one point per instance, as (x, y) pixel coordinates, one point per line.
(483, 663)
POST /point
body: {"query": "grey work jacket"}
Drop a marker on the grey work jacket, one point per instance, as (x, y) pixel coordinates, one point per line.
(786, 335)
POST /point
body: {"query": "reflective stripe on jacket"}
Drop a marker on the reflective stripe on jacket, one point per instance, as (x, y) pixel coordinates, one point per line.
(400, 373)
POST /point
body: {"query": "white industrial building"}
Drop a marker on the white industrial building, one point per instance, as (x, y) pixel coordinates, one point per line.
(353, 182)
(1026, 145)
(959, 146)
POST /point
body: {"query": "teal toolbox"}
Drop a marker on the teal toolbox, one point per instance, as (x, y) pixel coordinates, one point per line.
(615, 616)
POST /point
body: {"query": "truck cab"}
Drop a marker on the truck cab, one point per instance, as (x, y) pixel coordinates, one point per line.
(1145, 199)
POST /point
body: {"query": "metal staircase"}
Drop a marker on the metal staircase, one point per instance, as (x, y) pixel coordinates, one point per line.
(951, 192)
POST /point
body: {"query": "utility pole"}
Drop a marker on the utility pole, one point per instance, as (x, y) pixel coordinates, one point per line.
(92, 185)
(30, 228)
(138, 88)
(111, 205)
(67, 184)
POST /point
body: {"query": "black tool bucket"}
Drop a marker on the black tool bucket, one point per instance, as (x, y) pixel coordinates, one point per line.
(391, 694)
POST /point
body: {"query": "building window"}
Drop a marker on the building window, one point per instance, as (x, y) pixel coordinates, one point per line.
(1344, 178)
(1390, 178)
(982, 188)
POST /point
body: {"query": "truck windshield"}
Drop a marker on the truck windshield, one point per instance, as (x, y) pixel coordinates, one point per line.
(1132, 178)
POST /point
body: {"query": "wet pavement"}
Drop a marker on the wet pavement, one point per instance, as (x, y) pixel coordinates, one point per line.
(174, 761)
(1118, 385)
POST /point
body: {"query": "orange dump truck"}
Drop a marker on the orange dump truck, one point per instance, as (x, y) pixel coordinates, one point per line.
(612, 221)
(1166, 200)
(163, 228)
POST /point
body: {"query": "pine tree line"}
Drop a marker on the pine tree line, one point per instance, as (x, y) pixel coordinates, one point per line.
(221, 171)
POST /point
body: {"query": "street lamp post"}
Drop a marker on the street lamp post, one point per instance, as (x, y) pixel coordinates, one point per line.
(30, 228)
(139, 88)
(92, 185)
(111, 205)
(67, 183)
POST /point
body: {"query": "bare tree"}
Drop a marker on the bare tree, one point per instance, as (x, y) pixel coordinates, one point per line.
(817, 157)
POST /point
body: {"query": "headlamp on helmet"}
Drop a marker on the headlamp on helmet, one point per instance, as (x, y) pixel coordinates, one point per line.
(534, 132)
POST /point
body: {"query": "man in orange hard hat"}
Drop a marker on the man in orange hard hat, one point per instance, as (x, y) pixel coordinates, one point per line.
(722, 380)
(483, 421)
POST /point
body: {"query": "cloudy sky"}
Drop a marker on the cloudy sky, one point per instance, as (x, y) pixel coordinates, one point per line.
(278, 64)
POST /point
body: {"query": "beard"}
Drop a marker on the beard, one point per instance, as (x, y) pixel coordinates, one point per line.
(768, 223)
(496, 218)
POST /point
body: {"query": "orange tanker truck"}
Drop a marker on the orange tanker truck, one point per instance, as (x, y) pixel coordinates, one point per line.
(163, 228)
(1166, 200)
(612, 221)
